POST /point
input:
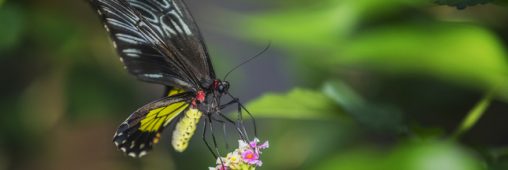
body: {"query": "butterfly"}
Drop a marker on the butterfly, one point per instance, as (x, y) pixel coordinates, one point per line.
(159, 42)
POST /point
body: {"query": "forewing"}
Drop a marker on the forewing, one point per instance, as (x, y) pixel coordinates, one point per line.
(180, 32)
(137, 134)
(157, 40)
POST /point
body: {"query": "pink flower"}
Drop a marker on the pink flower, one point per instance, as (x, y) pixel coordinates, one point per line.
(264, 145)
(251, 157)
(254, 143)
(245, 157)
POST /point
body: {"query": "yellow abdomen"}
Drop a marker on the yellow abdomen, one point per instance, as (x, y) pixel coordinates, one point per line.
(185, 128)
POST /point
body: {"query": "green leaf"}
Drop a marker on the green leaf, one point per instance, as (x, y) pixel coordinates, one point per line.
(372, 115)
(297, 104)
(460, 53)
(423, 155)
(309, 27)
(317, 25)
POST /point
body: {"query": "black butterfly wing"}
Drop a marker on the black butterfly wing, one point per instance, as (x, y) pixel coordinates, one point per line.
(137, 134)
(158, 41)
(176, 17)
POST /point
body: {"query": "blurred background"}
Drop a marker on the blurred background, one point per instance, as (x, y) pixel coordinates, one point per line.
(346, 84)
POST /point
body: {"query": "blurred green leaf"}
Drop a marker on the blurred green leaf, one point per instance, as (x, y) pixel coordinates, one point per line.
(301, 27)
(461, 53)
(297, 104)
(423, 155)
(318, 25)
(372, 115)
(343, 95)
(13, 23)
(433, 155)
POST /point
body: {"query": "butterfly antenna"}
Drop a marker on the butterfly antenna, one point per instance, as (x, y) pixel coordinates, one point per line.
(248, 60)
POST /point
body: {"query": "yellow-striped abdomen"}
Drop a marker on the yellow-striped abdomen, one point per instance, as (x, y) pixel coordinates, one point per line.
(185, 129)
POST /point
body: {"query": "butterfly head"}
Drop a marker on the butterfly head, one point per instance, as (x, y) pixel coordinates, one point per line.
(221, 86)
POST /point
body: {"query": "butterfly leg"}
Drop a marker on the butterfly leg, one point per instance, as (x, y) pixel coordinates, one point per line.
(237, 126)
(240, 118)
(234, 101)
(240, 126)
(205, 124)
(223, 130)
(252, 118)
(240, 108)
(209, 119)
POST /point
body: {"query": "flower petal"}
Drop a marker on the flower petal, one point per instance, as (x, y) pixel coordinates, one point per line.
(264, 145)
(254, 143)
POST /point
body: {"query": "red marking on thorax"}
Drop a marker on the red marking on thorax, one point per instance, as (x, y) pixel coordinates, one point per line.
(200, 96)
(215, 84)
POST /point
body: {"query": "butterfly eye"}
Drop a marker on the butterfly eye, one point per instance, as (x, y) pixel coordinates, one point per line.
(223, 87)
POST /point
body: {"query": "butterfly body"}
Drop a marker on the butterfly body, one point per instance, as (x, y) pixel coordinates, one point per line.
(159, 42)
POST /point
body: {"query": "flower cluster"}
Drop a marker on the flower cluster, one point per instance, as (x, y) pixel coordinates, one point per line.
(246, 157)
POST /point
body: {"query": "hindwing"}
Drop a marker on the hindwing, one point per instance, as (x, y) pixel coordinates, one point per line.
(137, 134)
